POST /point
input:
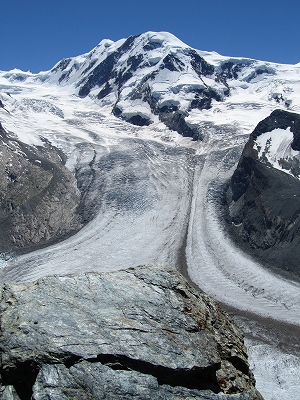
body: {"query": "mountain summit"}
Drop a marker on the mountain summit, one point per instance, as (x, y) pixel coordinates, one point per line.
(154, 77)
(150, 86)
(122, 157)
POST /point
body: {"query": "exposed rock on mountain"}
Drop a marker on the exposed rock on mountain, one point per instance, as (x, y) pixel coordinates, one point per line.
(152, 196)
(39, 196)
(264, 193)
(132, 75)
(142, 332)
(155, 77)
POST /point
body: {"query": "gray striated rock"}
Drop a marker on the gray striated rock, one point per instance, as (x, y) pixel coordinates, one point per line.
(139, 333)
(8, 393)
(39, 197)
(87, 380)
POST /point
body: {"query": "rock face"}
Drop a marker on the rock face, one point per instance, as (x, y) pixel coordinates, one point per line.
(263, 197)
(138, 333)
(155, 77)
(38, 196)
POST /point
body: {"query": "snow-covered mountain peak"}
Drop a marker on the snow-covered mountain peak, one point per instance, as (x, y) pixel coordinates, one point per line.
(115, 117)
(155, 79)
(16, 75)
(161, 39)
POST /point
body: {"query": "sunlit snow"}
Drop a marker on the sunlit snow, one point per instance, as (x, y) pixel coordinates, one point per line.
(275, 147)
(171, 216)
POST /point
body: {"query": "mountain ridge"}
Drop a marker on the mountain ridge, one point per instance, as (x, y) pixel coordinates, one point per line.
(154, 77)
(150, 148)
(263, 198)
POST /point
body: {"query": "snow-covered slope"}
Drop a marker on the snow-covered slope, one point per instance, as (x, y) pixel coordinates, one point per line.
(275, 148)
(116, 112)
(155, 77)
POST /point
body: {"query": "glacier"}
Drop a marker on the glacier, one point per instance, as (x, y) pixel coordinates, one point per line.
(159, 199)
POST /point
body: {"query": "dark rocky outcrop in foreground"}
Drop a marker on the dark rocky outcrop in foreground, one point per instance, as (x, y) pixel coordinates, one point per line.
(138, 333)
(39, 197)
(264, 204)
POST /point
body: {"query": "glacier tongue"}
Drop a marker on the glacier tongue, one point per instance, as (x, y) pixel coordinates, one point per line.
(143, 190)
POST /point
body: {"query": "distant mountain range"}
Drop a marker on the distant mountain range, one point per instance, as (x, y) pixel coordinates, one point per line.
(155, 77)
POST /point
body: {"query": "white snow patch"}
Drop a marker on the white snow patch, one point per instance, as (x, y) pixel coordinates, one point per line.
(275, 146)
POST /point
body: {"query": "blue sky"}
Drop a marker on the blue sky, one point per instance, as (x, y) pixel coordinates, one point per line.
(35, 34)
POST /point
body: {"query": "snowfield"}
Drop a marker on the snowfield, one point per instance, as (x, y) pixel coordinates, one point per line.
(159, 201)
(275, 147)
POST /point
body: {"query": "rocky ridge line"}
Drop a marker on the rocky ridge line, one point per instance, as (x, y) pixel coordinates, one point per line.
(263, 202)
(40, 202)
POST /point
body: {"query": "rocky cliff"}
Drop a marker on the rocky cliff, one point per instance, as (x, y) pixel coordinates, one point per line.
(138, 333)
(39, 197)
(263, 197)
